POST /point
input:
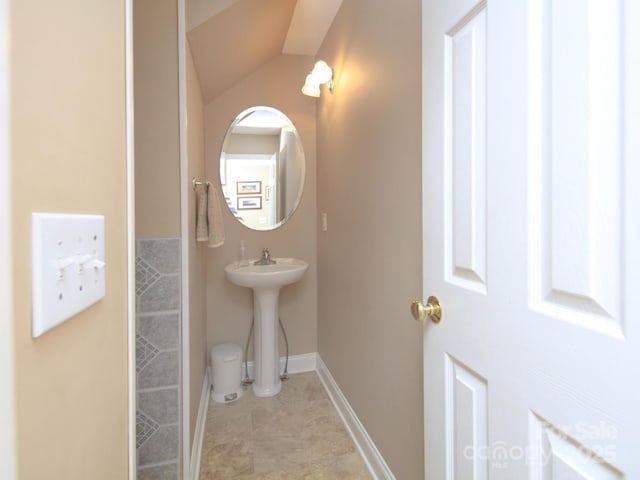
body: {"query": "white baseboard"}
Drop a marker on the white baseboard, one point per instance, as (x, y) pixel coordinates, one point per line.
(378, 468)
(198, 434)
(305, 362)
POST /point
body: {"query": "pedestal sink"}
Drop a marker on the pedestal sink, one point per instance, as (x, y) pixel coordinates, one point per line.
(266, 282)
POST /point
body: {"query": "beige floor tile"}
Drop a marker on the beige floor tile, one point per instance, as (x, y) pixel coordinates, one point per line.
(221, 429)
(296, 434)
(226, 460)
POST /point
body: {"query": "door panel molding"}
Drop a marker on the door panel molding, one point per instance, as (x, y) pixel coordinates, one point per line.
(466, 422)
(576, 163)
(555, 454)
(465, 151)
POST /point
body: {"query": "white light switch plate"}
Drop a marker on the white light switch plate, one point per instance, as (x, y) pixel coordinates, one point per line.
(68, 269)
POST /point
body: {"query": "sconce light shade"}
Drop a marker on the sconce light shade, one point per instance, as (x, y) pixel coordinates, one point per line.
(321, 74)
(311, 87)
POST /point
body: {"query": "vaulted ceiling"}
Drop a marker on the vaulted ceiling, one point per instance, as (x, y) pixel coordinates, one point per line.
(229, 39)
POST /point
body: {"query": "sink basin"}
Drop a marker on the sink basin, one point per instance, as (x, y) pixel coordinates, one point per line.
(284, 272)
(266, 282)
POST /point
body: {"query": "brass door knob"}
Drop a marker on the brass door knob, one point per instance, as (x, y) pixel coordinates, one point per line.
(432, 310)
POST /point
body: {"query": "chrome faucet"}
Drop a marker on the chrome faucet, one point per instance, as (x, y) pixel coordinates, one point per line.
(266, 258)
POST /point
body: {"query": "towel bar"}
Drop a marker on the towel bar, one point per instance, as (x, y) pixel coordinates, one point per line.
(195, 182)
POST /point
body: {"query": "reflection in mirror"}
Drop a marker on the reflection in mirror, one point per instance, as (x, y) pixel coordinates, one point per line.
(262, 168)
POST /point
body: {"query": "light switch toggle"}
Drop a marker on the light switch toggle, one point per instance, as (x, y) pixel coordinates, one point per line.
(62, 264)
(97, 264)
(83, 262)
(88, 261)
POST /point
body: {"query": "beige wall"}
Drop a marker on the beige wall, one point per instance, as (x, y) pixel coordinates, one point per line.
(68, 155)
(369, 259)
(229, 307)
(156, 119)
(199, 11)
(197, 251)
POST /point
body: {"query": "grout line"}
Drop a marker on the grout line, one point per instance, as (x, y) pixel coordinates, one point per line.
(157, 389)
(168, 350)
(158, 239)
(160, 425)
(166, 274)
(159, 464)
(159, 312)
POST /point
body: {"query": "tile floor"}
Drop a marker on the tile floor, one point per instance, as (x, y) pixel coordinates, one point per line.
(295, 435)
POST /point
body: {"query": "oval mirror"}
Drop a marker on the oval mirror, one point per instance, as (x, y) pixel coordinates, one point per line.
(262, 168)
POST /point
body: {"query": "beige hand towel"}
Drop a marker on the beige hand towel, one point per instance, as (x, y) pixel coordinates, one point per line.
(202, 227)
(214, 217)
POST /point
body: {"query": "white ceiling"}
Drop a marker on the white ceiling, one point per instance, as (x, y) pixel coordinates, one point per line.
(231, 38)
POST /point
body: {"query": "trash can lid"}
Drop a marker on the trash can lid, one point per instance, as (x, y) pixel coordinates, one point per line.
(226, 352)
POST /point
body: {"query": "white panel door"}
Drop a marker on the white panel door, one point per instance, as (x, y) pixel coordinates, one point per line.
(531, 218)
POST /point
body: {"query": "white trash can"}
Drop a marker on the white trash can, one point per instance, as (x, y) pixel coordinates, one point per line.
(226, 372)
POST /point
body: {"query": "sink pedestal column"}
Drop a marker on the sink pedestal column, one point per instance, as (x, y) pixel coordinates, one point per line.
(266, 353)
(266, 282)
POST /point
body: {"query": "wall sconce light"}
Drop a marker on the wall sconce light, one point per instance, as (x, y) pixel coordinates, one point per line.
(321, 74)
